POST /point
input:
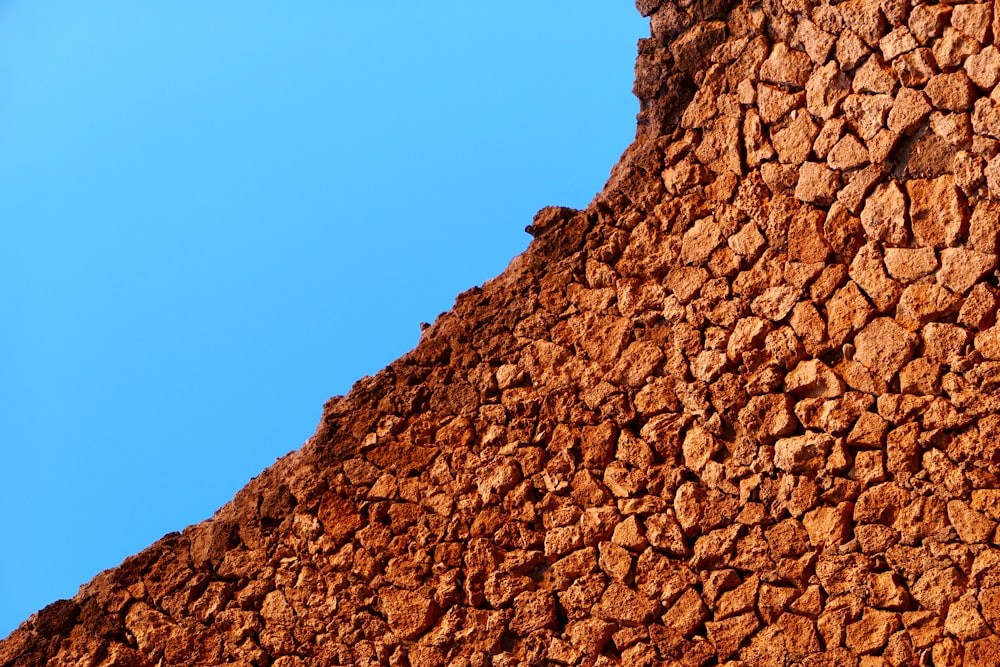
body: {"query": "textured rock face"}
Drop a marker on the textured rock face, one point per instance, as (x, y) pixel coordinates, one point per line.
(742, 410)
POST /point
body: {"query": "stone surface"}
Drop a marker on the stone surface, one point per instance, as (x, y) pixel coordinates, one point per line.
(741, 409)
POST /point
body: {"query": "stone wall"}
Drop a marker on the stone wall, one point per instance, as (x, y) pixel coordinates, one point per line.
(741, 411)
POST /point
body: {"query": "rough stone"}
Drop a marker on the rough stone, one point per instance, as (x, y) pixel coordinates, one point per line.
(884, 347)
(938, 212)
(740, 410)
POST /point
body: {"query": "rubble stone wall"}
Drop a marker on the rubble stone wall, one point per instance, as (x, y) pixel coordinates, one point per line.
(742, 410)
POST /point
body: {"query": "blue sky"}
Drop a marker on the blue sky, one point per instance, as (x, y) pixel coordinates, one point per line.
(214, 216)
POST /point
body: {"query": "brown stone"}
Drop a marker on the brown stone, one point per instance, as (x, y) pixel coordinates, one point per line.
(793, 142)
(899, 41)
(851, 49)
(848, 153)
(954, 46)
(938, 211)
(937, 588)
(847, 313)
(864, 19)
(983, 68)
(909, 111)
(687, 614)
(774, 103)
(971, 526)
(408, 612)
(786, 67)
(884, 347)
(728, 634)
(866, 114)
(988, 343)
(873, 76)
(951, 92)
(802, 453)
(817, 184)
(961, 268)
(872, 632)
(922, 303)
(826, 89)
(910, 264)
(852, 195)
(813, 379)
(829, 527)
(775, 303)
(915, 68)
(868, 271)
(884, 215)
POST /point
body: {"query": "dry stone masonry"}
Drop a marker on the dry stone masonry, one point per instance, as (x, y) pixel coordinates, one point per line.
(743, 410)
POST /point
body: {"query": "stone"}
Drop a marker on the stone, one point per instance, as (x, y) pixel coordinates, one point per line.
(884, 347)
(961, 268)
(983, 68)
(920, 376)
(988, 343)
(817, 43)
(817, 184)
(928, 21)
(954, 46)
(915, 68)
(955, 128)
(740, 410)
(807, 247)
(973, 20)
(769, 416)
(951, 92)
(847, 313)
(873, 76)
(843, 231)
(775, 303)
(700, 240)
(829, 527)
(899, 41)
(774, 104)
(971, 526)
(980, 307)
(786, 67)
(813, 379)
(986, 118)
(909, 111)
(866, 114)
(943, 341)
(851, 49)
(848, 153)
(937, 588)
(802, 453)
(884, 215)
(728, 634)
(924, 302)
(687, 614)
(864, 19)
(938, 211)
(793, 142)
(908, 265)
(826, 88)
(984, 228)
(852, 195)
(829, 134)
(964, 621)
(533, 610)
(408, 613)
(757, 145)
(868, 271)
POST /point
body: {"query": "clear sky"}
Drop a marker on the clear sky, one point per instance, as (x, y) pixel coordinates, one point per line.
(216, 215)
